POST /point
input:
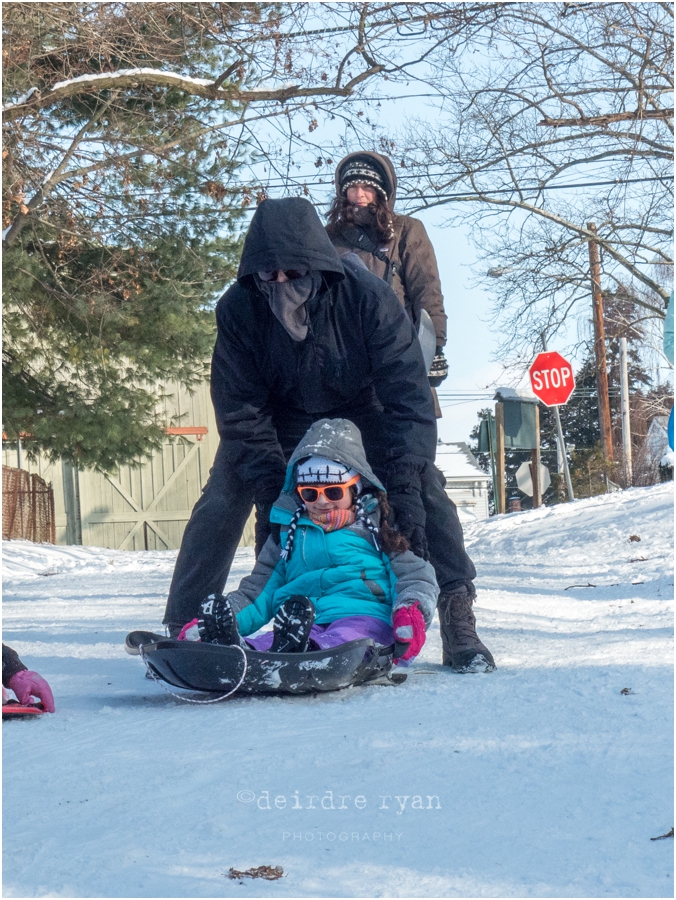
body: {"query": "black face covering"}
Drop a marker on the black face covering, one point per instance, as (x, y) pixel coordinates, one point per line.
(287, 301)
(364, 215)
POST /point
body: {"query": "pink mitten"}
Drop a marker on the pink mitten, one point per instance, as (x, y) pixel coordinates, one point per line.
(189, 632)
(25, 683)
(409, 632)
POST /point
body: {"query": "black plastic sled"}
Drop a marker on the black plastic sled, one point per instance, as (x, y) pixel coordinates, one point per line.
(198, 666)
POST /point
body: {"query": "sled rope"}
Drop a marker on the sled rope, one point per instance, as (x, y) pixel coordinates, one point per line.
(189, 699)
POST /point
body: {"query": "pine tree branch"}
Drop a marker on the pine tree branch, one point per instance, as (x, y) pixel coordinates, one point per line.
(161, 150)
(12, 233)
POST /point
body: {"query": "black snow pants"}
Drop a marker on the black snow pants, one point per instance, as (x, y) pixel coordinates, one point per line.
(215, 528)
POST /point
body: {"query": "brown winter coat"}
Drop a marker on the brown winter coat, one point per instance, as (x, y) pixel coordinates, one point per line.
(417, 283)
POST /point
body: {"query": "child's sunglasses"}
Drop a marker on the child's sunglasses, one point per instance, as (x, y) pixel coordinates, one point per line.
(331, 492)
(291, 274)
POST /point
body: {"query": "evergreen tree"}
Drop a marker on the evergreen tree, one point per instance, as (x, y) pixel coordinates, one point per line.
(109, 287)
(590, 468)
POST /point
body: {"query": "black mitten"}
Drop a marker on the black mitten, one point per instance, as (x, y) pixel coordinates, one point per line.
(439, 368)
(261, 527)
(409, 517)
(264, 497)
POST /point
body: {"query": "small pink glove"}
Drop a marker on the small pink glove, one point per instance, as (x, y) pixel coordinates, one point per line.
(189, 632)
(409, 632)
(25, 683)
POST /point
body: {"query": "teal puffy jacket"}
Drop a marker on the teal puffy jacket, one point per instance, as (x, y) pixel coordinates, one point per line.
(341, 571)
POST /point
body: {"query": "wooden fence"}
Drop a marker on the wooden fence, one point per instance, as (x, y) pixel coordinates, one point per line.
(142, 507)
(27, 507)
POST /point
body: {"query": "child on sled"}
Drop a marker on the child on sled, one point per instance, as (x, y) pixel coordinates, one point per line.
(338, 572)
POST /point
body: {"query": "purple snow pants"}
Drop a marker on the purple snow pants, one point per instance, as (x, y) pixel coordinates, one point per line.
(351, 628)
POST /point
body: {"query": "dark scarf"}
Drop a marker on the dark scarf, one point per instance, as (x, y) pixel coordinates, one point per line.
(287, 301)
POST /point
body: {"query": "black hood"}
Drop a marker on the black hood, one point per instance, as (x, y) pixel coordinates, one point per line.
(287, 234)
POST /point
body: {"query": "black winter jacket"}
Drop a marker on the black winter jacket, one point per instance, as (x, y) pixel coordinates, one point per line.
(361, 351)
(11, 664)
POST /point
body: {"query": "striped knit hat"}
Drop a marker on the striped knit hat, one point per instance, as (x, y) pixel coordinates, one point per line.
(362, 170)
(320, 470)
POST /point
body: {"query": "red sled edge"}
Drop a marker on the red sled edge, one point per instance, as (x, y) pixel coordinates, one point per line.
(9, 710)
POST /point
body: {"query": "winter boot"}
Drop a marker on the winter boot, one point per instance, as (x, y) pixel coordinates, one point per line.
(463, 651)
(292, 624)
(217, 623)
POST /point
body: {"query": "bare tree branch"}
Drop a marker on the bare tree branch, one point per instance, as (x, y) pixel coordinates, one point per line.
(584, 121)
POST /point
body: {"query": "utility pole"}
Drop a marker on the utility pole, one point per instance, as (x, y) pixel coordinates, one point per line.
(500, 499)
(626, 421)
(600, 347)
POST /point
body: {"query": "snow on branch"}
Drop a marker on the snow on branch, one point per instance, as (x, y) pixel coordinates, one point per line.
(33, 99)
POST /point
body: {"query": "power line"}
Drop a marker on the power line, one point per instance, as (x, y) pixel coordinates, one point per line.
(526, 190)
(411, 198)
(469, 396)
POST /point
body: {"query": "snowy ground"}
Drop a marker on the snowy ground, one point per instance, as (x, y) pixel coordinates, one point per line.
(550, 781)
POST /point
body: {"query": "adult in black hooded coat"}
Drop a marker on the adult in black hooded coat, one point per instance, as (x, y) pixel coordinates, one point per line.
(303, 336)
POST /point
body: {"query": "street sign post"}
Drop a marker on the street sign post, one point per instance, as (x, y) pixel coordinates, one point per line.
(524, 478)
(553, 382)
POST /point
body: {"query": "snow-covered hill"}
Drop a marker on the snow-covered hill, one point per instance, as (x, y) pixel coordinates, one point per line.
(550, 781)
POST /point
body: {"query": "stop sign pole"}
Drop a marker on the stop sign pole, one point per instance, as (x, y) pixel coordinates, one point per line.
(553, 382)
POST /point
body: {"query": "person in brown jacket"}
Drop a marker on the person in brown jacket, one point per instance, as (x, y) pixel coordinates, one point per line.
(396, 248)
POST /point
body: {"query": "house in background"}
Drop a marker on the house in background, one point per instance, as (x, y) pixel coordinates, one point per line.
(466, 482)
(148, 507)
(142, 508)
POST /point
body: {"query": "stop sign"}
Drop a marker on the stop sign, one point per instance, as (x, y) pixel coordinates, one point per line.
(552, 379)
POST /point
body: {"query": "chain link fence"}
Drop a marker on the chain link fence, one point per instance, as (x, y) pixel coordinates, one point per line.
(27, 507)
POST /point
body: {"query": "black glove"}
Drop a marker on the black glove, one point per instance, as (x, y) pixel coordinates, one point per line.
(409, 519)
(439, 368)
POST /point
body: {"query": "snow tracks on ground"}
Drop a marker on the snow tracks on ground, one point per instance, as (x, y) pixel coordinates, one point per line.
(545, 778)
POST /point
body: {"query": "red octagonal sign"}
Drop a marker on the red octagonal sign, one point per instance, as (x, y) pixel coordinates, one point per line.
(552, 379)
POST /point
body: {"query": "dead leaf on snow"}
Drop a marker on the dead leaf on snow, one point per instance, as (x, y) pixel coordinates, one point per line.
(267, 872)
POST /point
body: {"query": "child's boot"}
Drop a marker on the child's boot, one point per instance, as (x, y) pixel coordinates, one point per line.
(217, 623)
(292, 624)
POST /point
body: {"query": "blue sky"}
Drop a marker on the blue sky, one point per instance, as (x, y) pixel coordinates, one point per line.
(471, 340)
